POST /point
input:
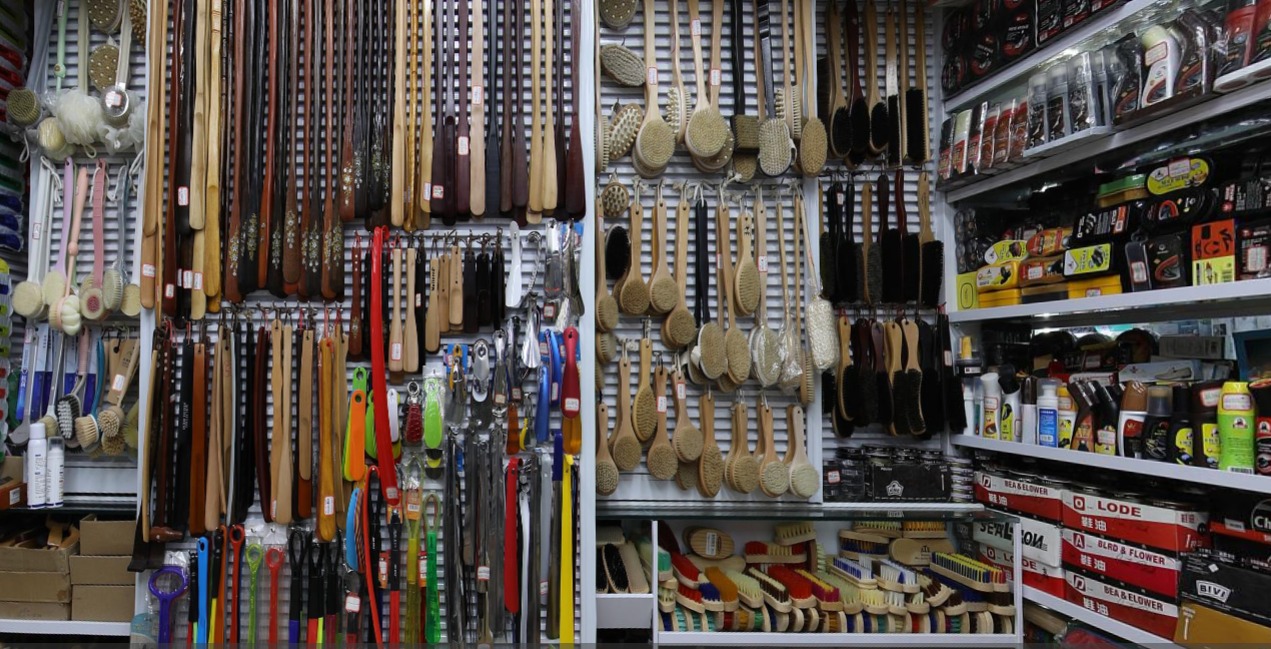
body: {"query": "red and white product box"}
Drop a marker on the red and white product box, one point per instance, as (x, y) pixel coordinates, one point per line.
(1042, 501)
(1045, 578)
(1167, 529)
(1040, 541)
(1148, 612)
(1150, 570)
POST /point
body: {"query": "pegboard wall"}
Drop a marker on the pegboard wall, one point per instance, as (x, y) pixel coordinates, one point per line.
(777, 193)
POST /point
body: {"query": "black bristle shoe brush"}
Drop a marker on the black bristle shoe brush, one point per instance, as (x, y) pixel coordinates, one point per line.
(931, 274)
(932, 394)
(890, 245)
(866, 388)
(917, 129)
(882, 377)
(829, 237)
(910, 248)
(845, 243)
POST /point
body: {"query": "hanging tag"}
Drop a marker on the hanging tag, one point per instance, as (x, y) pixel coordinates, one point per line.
(651, 78)
(483, 573)
(183, 196)
(463, 145)
(352, 603)
(328, 506)
(762, 262)
(148, 270)
(478, 95)
(716, 75)
(661, 404)
(383, 569)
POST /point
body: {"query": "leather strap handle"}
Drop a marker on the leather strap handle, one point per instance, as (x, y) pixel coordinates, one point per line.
(198, 441)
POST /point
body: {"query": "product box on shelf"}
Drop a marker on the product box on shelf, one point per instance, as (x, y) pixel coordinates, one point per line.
(1040, 541)
(12, 487)
(101, 571)
(1175, 529)
(1043, 501)
(908, 482)
(1139, 609)
(1253, 243)
(105, 538)
(103, 604)
(1048, 579)
(1151, 570)
(1214, 252)
(1232, 589)
(1201, 627)
(42, 560)
(1242, 515)
(1094, 287)
(35, 611)
(1250, 196)
(36, 586)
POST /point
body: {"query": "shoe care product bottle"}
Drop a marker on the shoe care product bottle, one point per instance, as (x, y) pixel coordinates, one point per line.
(1048, 415)
(1028, 410)
(55, 473)
(37, 467)
(1067, 416)
(1008, 413)
(1083, 423)
(1156, 424)
(1181, 434)
(1109, 415)
(1130, 420)
(1206, 445)
(990, 402)
(1261, 391)
(1160, 62)
(1235, 428)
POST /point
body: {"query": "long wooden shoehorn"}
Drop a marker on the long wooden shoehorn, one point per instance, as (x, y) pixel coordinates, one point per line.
(476, 112)
(534, 211)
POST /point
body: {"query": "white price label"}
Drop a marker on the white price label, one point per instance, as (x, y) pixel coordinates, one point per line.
(483, 573)
(183, 196)
(113, 99)
(695, 28)
(187, 279)
(661, 404)
(573, 404)
(148, 270)
(118, 383)
(478, 95)
(438, 192)
(651, 77)
(352, 603)
(716, 76)
(169, 291)
(419, 300)
(427, 190)
(679, 390)
(396, 351)
(762, 262)
(198, 281)
(463, 145)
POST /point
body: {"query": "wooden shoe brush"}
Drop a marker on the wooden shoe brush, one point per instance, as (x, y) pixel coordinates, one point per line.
(917, 129)
(878, 117)
(774, 474)
(765, 358)
(894, 383)
(847, 379)
(626, 446)
(804, 478)
(871, 253)
(677, 99)
(687, 439)
(775, 144)
(931, 272)
(664, 293)
(897, 69)
(837, 115)
(644, 416)
(637, 580)
(710, 469)
(607, 475)
(655, 143)
(633, 293)
(914, 422)
(746, 282)
(707, 131)
(741, 469)
(736, 346)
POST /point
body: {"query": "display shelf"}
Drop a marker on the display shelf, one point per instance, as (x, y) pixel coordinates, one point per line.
(1214, 106)
(811, 512)
(1230, 299)
(1101, 622)
(624, 611)
(1164, 470)
(738, 639)
(65, 627)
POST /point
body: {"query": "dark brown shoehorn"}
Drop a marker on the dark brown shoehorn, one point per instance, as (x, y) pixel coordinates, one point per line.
(508, 115)
(332, 230)
(348, 56)
(573, 189)
(292, 221)
(463, 145)
(443, 188)
(311, 230)
(520, 148)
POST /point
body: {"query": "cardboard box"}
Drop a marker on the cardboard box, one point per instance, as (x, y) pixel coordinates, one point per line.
(1048, 579)
(1040, 541)
(1173, 530)
(39, 559)
(1243, 515)
(35, 611)
(12, 491)
(103, 604)
(1227, 588)
(1138, 609)
(1044, 502)
(36, 586)
(101, 571)
(1154, 571)
(1203, 627)
(106, 538)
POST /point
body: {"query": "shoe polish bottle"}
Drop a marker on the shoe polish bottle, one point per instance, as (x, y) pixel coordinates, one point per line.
(1206, 445)
(1156, 425)
(1181, 434)
(1130, 420)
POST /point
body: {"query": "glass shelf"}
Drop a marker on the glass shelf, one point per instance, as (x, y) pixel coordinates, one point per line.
(754, 511)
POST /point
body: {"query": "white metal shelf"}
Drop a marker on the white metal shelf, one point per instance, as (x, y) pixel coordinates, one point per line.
(1090, 150)
(624, 611)
(1101, 622)
(1232, 298)
(1199, 475)
(1018, 70)
(740, 639)
(65, 627)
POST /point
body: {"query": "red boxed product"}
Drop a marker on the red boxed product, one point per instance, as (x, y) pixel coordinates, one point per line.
(1043, 501)
(1153, 571)
(1147, 612)
(1040, 541)
(1176, 530)
(1048, 579)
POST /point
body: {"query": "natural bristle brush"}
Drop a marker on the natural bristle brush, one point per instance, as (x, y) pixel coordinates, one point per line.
(23, 107)
(622, 65)
(775, 144)
(616, 14)
(706, 132)
(69, 406)
(112, 418)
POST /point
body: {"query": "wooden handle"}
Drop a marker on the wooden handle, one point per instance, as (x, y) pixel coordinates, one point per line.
(550, 187)
(304, 441)
(920, 48)
(149, 264)
(432, 318)
(198, 166)
(198, 298)
(423, 185)
(535, 206)
(395, 355)
(925, 234)
(476, 202)
(212, 193)
(280, 442)
(397, 210)
(456, 288)
(410, 361)
(328, 456)
(871, 54)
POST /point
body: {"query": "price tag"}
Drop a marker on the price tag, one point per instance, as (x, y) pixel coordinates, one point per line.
(352, 603)
(500, 399)
(148, 270)
(478, 95)
(679, 390)
(763, 263)
(716, 77)
(187, 279)
(169, 291)
(113, 99)
(427, 190)
(118, 383)
(423, 564)
(383, 568)
(661, 405)
(483, 573)
(198, 281)
(712, 543)
(463, 145)
(572, 404)
(37, 230)
(438, 192)
(695, 28)
(395, 352)
(328, 506)
(651, 77)
(183, 196)
(419, 300)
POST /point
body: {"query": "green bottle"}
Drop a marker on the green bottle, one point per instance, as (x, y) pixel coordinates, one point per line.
(1235, 428)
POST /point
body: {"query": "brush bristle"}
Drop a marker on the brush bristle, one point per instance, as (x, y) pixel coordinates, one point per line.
(746, 474)
(644, 414)
(913, 404)
(710, 340)
(737, 349)
(894, 130)
(617, 243)
(607, 477)
(792, 533)
(860, 122)
(841, 132)
(626, 453)
(878, 126)
(776, 479)
(655, 144)
(932, 273)
(23, 107)
(86, 432)
(812, 147)
(622, 65)
(710, 472)
(771, 587)
(748, 287)
(874, 275)
(748, 589)
(662, 462)
(912, 256)
(706, 134)
(681, 327)
(634, 297)
(606, 313)
(685, 570)
(745, 165)
(797, 587)
(917, 142)
(883, 393)
(664, 295)
(746, 134)
(901, 397)
(688, 443)
(774, 147)
(623, 130)
(893, 267)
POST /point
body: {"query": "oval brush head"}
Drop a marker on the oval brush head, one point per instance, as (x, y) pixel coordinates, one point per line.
(614, 200)
(644, 413)
(879, 125)
(680, 328)
(664, 294)
(812, 147)
(706, 133)
(688, 443)
(774, 147)
(105, 15)
(840, 132)
(745, 165)
(131, 424)
(804, 480)
(617, 252)
(686, 475)
(53, 286)
(616, 14)
(737, 351)
(101, 66)
(23, 107)
(606, 312)
(746, 473)
(774, 479)
(622, 132)
(710, 470)
(654, 146)
(130, 305)
(92, 305)
(28, 300)
(710, 344)
(719, 161)
(626, 453)
(67, 409)
(52, 139)
(606, 347)
(86, 432)
(112, 289)
(110, 423)
(622, 65)
(748, 286)
(633, 298)
(661, 460)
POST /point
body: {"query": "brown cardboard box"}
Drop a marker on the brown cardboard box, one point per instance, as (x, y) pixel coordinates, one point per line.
(103, 604)
(36, 586)
(101, 571)
(40, 559)
(12, 492)
(35, 611)
(1200, 626)
(105, 538)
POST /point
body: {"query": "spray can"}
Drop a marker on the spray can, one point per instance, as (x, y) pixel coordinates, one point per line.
(1084, 423)
(989, 404)
(1109, 416)
(1156, 424)
(1235, 428)
(1067, 416)
(55, 473)
(1130, 420)
(1206, 445)
(37, 449)
(1048, 415)
(1181, 433)
(1028, 410)
(1261, 390)
(1008, 414)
